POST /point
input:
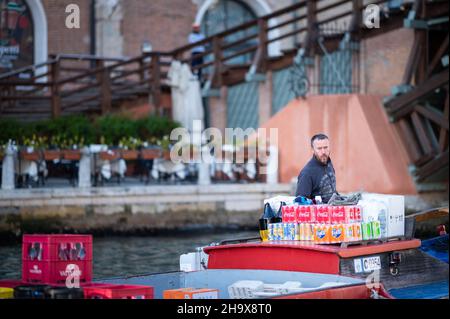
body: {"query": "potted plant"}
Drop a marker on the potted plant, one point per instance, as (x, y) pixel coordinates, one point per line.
(30, 148)
(150, 150)
(71, 148)
(164, 143)
(129, 148)
(52, 152)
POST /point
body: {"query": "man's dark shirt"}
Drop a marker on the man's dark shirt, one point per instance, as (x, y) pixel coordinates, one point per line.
(317, 179)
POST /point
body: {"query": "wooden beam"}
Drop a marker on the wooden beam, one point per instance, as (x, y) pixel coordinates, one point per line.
(430, 214)
(355, 25)
(432, 167)
(433, 116)
(56, 99)
(262, 45)
(312, 28)
(436, 9)
(156, 81)
(437, 57)
(217, 43)
(421, 70)
(409, 140)
(103, 79)
(413, 60)
(404, 104)
(421, 133)
(443, 135)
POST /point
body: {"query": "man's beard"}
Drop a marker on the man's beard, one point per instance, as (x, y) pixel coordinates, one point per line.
(324, 159)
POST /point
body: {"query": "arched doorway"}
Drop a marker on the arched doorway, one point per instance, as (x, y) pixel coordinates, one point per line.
(230, 13)
(23, 34)
(16, 35)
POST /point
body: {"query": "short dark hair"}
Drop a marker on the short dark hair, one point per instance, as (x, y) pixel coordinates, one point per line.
(318, 137)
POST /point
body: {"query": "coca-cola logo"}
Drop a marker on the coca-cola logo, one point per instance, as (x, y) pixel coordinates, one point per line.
(290, 214)
(35, 270)
(304, 214)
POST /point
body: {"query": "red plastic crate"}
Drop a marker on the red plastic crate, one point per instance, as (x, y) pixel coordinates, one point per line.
(56, 247)
(54, 272)
(114, 291)
(10, 283)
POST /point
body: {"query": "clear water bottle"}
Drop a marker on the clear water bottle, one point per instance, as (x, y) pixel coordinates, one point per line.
(318, 200)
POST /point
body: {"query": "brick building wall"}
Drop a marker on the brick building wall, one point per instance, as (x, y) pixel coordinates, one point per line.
(60, 38)
(165, 24)
(127, 25)
(386, 54)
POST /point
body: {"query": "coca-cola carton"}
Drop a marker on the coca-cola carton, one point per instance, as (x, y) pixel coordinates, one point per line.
(337, 214)
(289, 214)
(322, 214)
(305, 214)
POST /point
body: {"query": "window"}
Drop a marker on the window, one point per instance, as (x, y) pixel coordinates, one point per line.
(16, 35)
(225, 14)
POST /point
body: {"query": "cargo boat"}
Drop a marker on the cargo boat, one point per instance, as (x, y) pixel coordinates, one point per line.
(403, 267)
(397, 268)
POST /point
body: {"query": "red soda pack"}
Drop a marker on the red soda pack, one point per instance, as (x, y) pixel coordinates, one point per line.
(305, 214)
(337, 214)
(288, 214)
(349, 214)
(323, 214)
(284, 213)
(358, 214)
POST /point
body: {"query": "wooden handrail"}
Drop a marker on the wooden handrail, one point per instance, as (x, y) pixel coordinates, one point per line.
(79, 90)
(290, 21)
(26, 68)
(240, 41)
(102, 74)
(85, 57)
(241, 52)
(331, 6)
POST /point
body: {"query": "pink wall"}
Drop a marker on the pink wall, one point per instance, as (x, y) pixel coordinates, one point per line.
(366, 151)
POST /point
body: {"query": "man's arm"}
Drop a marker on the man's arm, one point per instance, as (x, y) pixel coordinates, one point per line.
(304, 186)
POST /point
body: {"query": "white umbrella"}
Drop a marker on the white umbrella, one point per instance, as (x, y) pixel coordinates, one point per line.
(187, 103)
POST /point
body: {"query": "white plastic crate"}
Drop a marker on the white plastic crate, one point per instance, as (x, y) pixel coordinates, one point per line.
(245, 289)
(395, 219)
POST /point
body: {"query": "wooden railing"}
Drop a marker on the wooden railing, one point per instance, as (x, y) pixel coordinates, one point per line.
(82, 83)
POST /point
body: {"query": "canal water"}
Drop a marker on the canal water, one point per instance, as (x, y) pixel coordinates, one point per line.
(122, 256)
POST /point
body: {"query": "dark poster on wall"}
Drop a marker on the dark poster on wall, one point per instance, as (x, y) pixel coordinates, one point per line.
(16, 35)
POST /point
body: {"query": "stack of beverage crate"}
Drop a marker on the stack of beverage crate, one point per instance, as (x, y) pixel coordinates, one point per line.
(60, 267)
(324, 224)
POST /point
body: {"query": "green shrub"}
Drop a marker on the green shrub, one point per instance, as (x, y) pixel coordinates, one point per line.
(155, 127)
(112, 128)
(78, 129)
(11, 130)
(72, 127)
